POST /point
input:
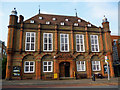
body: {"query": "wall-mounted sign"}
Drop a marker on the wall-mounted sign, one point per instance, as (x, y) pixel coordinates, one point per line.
(16, 71)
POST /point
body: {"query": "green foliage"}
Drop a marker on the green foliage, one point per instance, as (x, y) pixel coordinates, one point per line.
(4, 62)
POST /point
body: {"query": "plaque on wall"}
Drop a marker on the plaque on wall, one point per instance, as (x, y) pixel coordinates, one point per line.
(16, 71)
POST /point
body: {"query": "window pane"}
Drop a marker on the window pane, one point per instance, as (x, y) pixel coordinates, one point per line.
(50, 40)
(95, 41)
(78, 67)
(28, 39)
(49, 63)
(32, 39)
(31, 68)
(45, 63)
(45, 46)
(26, 68)
(80, 36)
(77, 36)
(31, 63)
(92, 41)
(66, 47)
(45, 68)
(45, 40)
(97, 67)
(65, 40)
(28, 34)
(92, 48)
(27, 46)
(81, 47)
(32, 34)
(65, 35)
(26, 63)
(45, 35)
(62, 40)
(50, 35)
(78, 48)
(61, 36)
(32, 46)
(81, 41)
(77, 40)
(62, 46)
(50, 46)
(94, 68)
(49, 68)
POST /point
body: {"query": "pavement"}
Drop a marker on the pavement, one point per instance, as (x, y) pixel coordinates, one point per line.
(79, 83)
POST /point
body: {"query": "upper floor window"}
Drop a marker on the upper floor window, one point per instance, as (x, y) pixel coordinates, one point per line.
(75, 24)
(29, 67)
(62, 23)
(47, 22)
(53, 19)
(66, 19)
(94, 43)
(80, 43)
(96, 66)
(40, 17)
(30, 41)
(64, 42)
(32, 21)
(47, 66)
(81, 66)
(47, 42)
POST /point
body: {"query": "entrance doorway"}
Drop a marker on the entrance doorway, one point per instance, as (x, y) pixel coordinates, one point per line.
(64, 69)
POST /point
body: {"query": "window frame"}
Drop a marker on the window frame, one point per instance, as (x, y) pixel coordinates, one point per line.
(96, 66)
(29, 67)
(30, 41)
(48, 66)
(80, 43)
(47, 42)
(80, 65)
(94, 43)
(64, 43)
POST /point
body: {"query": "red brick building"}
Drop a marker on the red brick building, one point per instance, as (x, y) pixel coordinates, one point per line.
(116, 53)
(50, 46)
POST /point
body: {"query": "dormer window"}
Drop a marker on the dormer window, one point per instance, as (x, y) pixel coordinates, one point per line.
(40, 17)
(53, 19)
(47, 22)
(32, 21)
(75, 24)
(79, 20)
(89, 25)
(62, 23)
(66, 19)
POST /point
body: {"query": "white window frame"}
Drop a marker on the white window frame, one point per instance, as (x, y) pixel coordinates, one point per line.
(75, 24)
(41, 18)
(96, 65)
(32, 21)
(48, 41)
(94, 43)
(48, 22)
(53, 19)
(30, 41)
(64, 43)
(80, 65)
(48, 66)
(80, 43)
(67, 19)
(79, 20)
(62, 23)
(29, 67)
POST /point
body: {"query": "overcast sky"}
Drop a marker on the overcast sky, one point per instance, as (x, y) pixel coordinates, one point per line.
(89, 11)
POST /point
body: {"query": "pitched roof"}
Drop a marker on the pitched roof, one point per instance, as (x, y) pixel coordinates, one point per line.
(59, 18)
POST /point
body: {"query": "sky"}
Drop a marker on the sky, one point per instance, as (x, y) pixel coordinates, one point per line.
(89, 11)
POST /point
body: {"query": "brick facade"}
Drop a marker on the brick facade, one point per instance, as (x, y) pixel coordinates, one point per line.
(17, 55)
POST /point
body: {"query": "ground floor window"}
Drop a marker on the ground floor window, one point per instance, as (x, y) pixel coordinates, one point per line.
(29, 67)
(96, 66)
(47, 66)
(80, 65)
